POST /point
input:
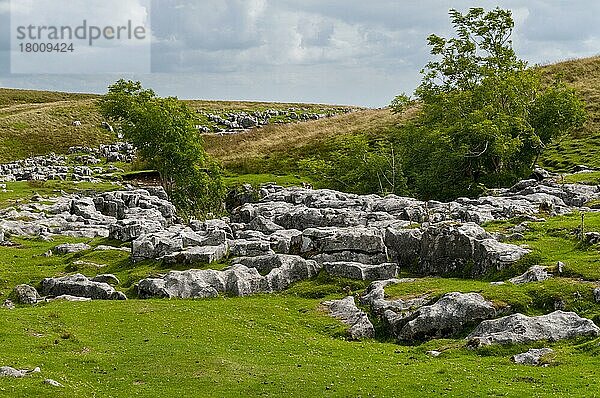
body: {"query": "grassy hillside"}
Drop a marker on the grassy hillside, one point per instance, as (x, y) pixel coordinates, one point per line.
(584, 146)
(279, 147)
(38, 122)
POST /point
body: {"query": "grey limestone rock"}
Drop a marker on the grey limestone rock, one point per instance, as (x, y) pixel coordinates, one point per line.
(536, 273)
(80, 286)
(519, 329)
(25, 294)
(69, 248)
(360, 271)
(346, 311)
(447, 317)
(533, 356)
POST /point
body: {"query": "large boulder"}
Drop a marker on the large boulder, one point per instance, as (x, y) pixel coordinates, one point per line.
(250, 247)
(351, 257)
(197, 255)
(241, 279)
(346, 311)
(405, 246)
(520, 329)
(80, 286)
(86, 208)
(131, 229)
(355, 239)
(156, 245)
(281, 270)
(282, 241)
(450, 248)
(447, 317)
(237, 280)
(183, 284)
(374, 297)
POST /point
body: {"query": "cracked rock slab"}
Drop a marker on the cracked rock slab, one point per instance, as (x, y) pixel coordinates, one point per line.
(365, 272)
(520, 329)
(447, 317)
(346, 311)
(80, 286)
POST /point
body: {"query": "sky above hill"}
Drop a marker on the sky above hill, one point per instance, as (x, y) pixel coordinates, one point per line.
(330, 51)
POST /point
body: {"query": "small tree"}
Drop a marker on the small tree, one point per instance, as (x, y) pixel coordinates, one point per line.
(162, 129)
(485, 115)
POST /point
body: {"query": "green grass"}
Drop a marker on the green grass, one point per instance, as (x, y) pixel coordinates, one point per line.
(233, 180)
(280, 344)
(255, 346)
(22, 191)
(557, 239)
(591, 178)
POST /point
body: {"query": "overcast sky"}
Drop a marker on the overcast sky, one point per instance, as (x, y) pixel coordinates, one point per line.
(331, 51)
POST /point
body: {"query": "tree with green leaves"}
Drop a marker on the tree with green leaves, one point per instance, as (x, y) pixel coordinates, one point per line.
(359, 166)
(163, 131)
(485, 115)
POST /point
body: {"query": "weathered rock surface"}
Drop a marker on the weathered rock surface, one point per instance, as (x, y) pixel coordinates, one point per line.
(197, 254)
(69, 248)
(128, 214)
(374, 297)
(518, 329)
(66, 297)
(106, 278)
(8, 304)
(360, 271)
(532, 357)
(52, 383)
(536, 273)
(346, 311)
(449, 248)
(25, 294)
(597, 294)
(7, 371)
(241, 279)
(447, 317)
(80, 286)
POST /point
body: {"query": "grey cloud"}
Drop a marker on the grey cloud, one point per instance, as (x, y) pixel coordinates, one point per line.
(342, 51)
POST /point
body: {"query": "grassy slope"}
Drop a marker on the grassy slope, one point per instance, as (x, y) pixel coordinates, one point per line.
(35, 122)
(584, 146)
(39, 122)
(258, 346)
(280, 344)
(278, 147)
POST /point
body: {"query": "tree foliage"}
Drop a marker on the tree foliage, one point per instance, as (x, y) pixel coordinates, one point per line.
(360, 167)
(162, 129)
(485, 115)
